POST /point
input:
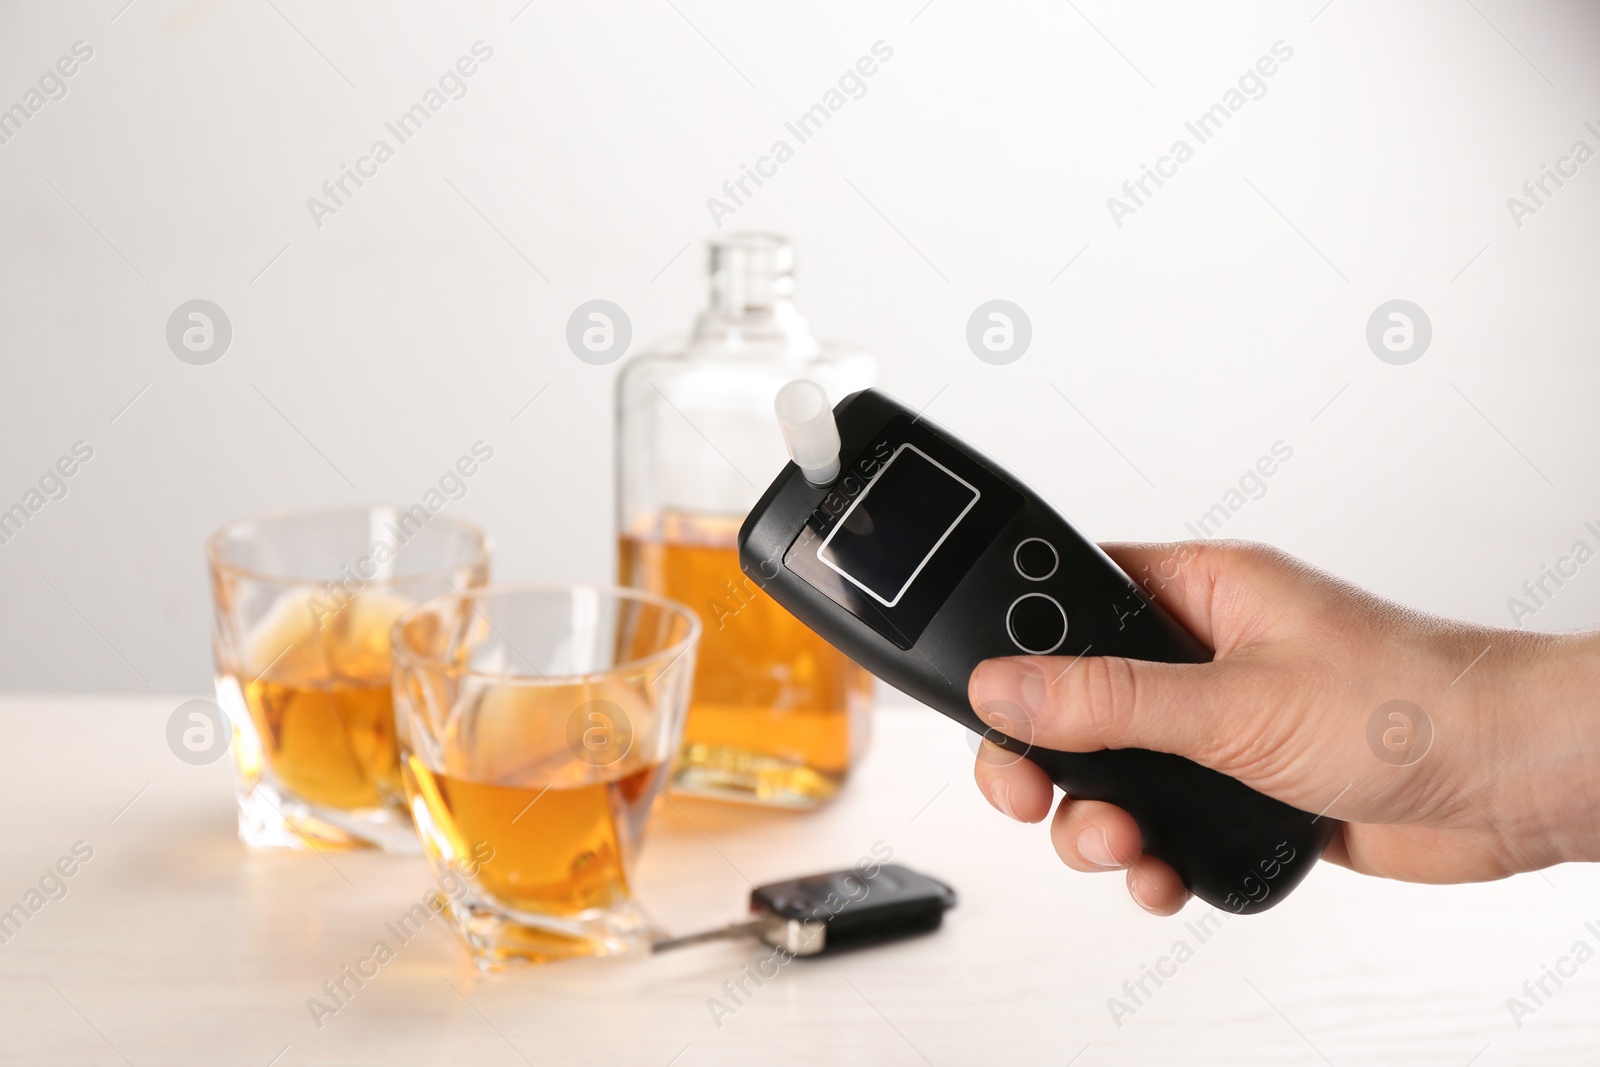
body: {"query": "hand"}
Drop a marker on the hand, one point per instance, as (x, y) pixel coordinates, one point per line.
(1293, 706)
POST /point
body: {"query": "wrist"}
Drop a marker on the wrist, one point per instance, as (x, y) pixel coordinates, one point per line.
(1550, 734)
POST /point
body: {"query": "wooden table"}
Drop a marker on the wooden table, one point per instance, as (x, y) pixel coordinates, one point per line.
(174, 945)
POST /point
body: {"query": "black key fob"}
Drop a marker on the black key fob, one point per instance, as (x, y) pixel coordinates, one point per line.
(849, 909)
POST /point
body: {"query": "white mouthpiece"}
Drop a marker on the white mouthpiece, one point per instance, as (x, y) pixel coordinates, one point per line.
(809, 430)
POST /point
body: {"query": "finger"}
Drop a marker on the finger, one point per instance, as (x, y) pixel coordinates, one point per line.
(1338, 848)
(1156, 887)
(1093, 836)
(1088, 703)
(1181, 577)
(1018, 788)
(1090, 835)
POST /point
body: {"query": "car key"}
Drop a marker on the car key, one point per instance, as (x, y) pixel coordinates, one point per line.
(832, 912)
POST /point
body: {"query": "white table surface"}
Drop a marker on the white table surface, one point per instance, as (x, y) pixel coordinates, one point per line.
(174, 945)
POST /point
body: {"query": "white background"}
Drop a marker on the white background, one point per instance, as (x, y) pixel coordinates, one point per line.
(1168, 355)
(1172, 353)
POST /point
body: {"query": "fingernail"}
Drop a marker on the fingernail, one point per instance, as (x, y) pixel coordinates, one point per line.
(1000, 794)
(1093, 846)
(1030, 689)
(1134, 882)
(1009, 682)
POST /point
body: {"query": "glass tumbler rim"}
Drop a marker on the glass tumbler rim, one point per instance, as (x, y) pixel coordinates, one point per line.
(404, 656)
(480, 539)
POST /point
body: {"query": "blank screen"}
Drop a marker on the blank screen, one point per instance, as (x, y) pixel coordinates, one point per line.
(894, 527)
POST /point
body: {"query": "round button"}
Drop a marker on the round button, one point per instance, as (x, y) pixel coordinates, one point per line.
(1035, 559)
(1037, 623)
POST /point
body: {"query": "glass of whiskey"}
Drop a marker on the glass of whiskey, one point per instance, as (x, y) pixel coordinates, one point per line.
(537, 725)
(303, 605)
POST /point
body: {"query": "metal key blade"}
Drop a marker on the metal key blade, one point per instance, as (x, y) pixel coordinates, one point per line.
(748, 928)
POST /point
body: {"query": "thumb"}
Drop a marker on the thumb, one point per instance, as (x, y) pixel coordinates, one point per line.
(1087, 703)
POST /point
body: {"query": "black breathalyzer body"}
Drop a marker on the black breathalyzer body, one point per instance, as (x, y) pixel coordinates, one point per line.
(922, 557)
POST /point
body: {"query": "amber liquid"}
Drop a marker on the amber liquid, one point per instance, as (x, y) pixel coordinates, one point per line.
(322, 707)
(777, 714)
(554, 820)
(555, 849)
